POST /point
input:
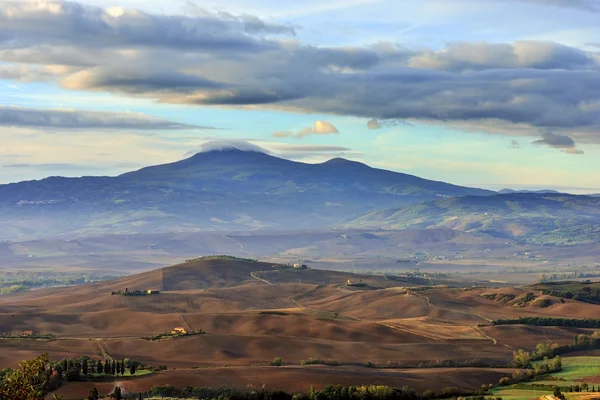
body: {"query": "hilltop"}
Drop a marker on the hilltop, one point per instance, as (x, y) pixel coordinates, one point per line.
(218, 190)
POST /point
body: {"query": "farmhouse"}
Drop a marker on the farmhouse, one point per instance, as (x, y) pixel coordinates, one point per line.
(152, 291)
(176, 331)
(27, 332)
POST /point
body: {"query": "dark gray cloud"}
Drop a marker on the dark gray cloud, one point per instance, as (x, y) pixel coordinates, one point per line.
(81, 119)
(563, 142)
(220, 59)
(554, 140)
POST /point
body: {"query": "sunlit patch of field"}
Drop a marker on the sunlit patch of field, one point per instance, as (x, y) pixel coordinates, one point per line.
(520, 394)
(579, 368)
(436, 330)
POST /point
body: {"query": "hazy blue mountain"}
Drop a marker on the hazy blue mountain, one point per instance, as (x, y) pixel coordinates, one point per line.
(216, 190)
(537, 218)
(542, 191)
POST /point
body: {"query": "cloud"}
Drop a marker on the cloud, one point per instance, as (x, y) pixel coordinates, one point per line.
(81, 119)
(556, 141)
(515, 144)
(232, 144)
(524, 54)
(572, 151)
(318, 128)
(308, 148)
(563, 142)
(225, 60)
(373, 124)
(54, 166)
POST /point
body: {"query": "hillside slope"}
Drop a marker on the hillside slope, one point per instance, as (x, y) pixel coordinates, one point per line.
(537, 218)
(221, 190)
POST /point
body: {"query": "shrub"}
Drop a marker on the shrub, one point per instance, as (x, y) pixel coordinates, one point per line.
(277, 362)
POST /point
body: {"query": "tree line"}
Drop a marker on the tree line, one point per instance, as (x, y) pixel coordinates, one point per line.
(549, 321)
(338, 392)
(33, 379)
(76, 369)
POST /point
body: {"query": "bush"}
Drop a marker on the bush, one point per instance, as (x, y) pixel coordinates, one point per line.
(277, 362)
(543, 303)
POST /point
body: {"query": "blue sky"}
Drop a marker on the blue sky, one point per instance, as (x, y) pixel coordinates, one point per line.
(486, 93)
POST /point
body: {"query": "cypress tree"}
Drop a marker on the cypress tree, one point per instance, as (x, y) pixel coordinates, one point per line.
(84, 366)
(114, 368)
(132, 369)
(94, 395)
(117, 393)
(107, 367)
(123, 367)
(99, 367)
(65, 365)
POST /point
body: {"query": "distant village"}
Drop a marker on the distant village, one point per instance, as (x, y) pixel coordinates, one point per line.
(136, 292)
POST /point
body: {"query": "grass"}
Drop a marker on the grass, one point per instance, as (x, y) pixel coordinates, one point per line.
(520, 394)
(576, 368)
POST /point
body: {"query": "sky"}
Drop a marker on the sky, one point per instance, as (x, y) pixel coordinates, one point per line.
(486, 93)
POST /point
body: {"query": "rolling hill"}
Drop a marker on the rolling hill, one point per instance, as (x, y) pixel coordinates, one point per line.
(544, 218)
(218, 190)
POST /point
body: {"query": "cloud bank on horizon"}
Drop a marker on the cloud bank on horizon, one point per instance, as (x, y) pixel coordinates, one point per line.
(532, 88)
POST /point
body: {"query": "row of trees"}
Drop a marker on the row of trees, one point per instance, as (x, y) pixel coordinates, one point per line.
(364, 392)
(33, 379)
(549, 321)
(73, 369)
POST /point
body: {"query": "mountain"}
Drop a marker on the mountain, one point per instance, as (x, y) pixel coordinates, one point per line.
(222, 190)
(542, 191)
(528, 217)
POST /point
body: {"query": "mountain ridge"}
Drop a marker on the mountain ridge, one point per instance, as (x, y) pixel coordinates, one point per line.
(226, 189)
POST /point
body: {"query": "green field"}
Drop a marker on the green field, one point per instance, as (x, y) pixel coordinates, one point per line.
(577, 368)
(520, 394)
(575, 371)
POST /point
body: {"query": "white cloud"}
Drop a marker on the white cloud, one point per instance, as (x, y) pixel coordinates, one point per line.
(318, 128)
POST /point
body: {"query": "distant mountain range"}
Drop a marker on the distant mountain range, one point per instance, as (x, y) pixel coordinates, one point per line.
(226, 190)
(547, 218)
(233, 190)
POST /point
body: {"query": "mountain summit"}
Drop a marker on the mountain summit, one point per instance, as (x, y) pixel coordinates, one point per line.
(222, 188)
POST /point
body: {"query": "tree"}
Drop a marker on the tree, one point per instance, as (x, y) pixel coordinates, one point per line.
(132, 369)
(99, 367)
(65, 365)
(107, 367)
(117, 393)
(94, 395)
(27, 382)
(557, 393)
(59, 370)
(114, 368)
(84, 366)
(277, 362)
(521, 359)
(123, 367)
